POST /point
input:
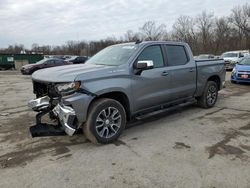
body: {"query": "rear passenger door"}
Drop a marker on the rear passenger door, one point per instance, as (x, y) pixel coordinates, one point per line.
(182, 71)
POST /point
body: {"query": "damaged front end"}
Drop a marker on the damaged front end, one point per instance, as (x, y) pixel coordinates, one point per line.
(69, 110)
(64, 114)
(67, 118)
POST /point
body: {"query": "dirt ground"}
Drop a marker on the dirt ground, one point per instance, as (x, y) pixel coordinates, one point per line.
(190, 147)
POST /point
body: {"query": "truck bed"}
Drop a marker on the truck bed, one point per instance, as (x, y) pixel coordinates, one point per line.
(206, 69)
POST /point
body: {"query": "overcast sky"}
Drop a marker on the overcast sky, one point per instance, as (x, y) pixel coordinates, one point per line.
(54, 22)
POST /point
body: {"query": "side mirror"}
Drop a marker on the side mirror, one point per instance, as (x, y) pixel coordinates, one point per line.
(144, 65)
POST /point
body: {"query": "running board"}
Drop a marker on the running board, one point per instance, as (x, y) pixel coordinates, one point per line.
(164, 110)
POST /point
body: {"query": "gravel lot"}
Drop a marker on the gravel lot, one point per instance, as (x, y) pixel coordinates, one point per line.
(190, 147)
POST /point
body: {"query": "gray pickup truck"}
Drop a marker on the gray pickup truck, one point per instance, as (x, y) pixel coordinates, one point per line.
(125, 82)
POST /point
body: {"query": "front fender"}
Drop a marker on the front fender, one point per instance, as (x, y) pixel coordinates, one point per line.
(80, 103)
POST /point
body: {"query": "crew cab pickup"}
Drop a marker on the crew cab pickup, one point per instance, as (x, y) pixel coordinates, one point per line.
(125, 82)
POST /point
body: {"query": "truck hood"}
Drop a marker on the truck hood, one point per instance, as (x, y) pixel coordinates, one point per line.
(231, 59)
(242, 67)
(69, 73)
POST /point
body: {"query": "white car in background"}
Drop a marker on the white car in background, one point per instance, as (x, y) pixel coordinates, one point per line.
(232, 58)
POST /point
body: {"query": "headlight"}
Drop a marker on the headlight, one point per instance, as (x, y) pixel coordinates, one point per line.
(233, 62)
(68, 88)
(234, 71)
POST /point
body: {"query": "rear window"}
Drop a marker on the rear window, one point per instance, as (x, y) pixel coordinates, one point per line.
(176, 55)
(230, 54)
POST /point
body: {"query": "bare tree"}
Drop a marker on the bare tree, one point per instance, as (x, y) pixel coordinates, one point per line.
(205, 22)
(240, 17)
(132, 36)
(150, 31)
(222, 35)
(184, 30)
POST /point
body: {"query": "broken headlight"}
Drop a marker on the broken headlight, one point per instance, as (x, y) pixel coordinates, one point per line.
(68, 88)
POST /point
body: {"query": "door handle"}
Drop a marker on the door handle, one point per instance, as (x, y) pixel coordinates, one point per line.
(191, 70)
(164, 73)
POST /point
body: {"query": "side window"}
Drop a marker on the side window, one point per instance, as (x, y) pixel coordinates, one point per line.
(58, 62)
(50, 62)
(176, 55)
(152, 53)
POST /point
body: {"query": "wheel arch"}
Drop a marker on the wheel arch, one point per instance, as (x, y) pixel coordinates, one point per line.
(119, 96)
(216, 79)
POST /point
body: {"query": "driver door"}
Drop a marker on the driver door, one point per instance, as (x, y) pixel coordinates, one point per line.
(151, 87)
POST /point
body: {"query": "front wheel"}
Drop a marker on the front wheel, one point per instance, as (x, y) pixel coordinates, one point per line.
(209, 96)
(106, 121)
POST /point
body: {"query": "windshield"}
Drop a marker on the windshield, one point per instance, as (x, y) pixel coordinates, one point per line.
(230, 55)
(113, 55)
(41, 61)
(245, 62)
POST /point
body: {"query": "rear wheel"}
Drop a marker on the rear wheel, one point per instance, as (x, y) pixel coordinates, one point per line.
(106, 121)
(209, 96)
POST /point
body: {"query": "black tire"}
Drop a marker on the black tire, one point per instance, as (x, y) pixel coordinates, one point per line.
(105, 122)
(233, 82)
(209, 96)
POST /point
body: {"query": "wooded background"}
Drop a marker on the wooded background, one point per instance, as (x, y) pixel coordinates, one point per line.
(205, 33)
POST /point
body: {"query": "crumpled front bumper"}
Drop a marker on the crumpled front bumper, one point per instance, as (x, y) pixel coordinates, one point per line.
(39, 104)
(65, 114)
(71, 111)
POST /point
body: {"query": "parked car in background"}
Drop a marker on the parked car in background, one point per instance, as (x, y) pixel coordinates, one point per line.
(232, 58)
(78, 59)
(205, 56)
(245, 53)
(44, 63)
(241, 72)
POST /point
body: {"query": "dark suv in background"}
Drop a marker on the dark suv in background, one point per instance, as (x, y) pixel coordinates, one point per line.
(78, 59)
(44, 63)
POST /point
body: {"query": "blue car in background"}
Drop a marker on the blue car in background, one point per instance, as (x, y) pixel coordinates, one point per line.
(241, 72)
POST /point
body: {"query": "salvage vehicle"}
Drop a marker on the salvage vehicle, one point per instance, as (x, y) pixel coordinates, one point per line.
(232, 58)
(241, 72)
(125, 82)
(44, 63)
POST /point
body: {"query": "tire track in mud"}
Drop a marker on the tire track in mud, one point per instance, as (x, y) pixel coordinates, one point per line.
(223, 147)
(33, 151)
